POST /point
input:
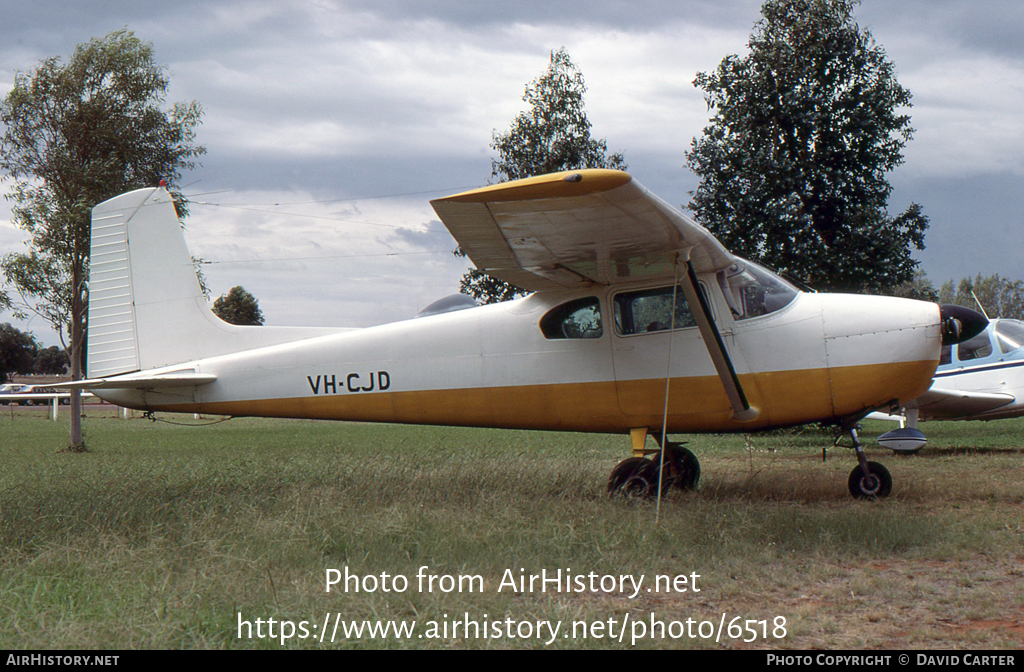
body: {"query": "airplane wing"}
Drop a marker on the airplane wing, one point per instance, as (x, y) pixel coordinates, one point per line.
(939, 403)
(574, 229)
(585, 227)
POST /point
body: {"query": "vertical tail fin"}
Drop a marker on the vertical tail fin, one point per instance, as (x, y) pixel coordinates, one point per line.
(129, 248)
(146, 308)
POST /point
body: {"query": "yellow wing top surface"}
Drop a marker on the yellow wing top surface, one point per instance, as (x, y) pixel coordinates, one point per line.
(575, 229)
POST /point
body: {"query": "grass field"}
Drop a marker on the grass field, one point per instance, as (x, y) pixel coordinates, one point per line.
(165, 536)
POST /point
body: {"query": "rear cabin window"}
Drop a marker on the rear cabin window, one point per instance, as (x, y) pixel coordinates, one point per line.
(576, 319)
(650, 310)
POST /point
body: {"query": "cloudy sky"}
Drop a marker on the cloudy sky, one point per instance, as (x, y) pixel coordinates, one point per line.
(329, 124)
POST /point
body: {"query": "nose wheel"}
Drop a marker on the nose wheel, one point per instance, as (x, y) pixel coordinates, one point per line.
(877, 482)
(868, 479)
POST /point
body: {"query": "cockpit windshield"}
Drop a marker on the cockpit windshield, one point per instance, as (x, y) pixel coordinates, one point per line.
(752, 291)
(1009, 335)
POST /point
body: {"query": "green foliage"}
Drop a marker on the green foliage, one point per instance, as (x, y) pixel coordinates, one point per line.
(551, 136)
(1000, 297)
(17, 351)
(44, 283)
(918, 287)
(238, 307)
(485, 288)
(793, 164)
(554, 134)
(51, 361)
(20, 353)
(75, 135)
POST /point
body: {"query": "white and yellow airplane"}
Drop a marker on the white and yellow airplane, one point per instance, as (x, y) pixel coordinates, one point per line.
(639, 322)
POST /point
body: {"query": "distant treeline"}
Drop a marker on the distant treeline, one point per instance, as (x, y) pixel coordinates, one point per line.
(21, 353)
(1000, 297)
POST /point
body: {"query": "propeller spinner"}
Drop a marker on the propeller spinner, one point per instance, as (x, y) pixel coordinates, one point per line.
(960, 324)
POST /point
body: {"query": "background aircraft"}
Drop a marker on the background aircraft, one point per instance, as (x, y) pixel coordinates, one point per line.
(640, 322)
(979, 379)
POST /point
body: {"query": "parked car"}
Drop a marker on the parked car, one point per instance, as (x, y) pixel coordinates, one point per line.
(12, 388)
(30, 389)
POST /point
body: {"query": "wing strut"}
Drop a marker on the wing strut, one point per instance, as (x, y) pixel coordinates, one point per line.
(741, 409)
(668, 379)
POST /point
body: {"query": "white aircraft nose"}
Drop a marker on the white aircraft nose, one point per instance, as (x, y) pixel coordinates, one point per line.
(879, 349)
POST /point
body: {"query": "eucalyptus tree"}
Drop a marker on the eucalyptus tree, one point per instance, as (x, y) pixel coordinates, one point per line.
(238, 306)
(997, 296)
(551, 135)
(76, 134)
(793, 165)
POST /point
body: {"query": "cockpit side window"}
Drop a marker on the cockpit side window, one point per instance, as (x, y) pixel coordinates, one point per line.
(1009, 335)
(649, 310)
(752, 291)
(976, 348)
(580, 318)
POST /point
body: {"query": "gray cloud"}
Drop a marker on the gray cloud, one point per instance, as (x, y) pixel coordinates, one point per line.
(993, 27)
(309, 102)
(606, 13)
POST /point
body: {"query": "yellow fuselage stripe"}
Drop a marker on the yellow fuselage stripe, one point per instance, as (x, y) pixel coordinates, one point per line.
(697, 404)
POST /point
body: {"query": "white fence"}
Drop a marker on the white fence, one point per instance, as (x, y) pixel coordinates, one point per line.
(54, 399)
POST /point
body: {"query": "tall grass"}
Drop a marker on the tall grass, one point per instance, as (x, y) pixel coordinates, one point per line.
(163, 534)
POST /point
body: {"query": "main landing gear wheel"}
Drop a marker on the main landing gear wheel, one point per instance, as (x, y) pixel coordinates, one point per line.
(683, 467)
(877, 484)
(638, 476)
(633, 477)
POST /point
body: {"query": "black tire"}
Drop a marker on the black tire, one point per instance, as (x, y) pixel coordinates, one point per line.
(626, 470)
(643, 484)
(880, 485)
(683, 469)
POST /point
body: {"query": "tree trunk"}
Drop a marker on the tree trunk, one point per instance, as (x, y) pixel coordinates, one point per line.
(77, 334)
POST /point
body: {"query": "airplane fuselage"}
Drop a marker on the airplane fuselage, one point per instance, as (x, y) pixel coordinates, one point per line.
(1006, 378)
(991, 363)
(821, 357)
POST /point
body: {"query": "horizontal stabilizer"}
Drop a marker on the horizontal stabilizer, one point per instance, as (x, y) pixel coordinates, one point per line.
(138, 382)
